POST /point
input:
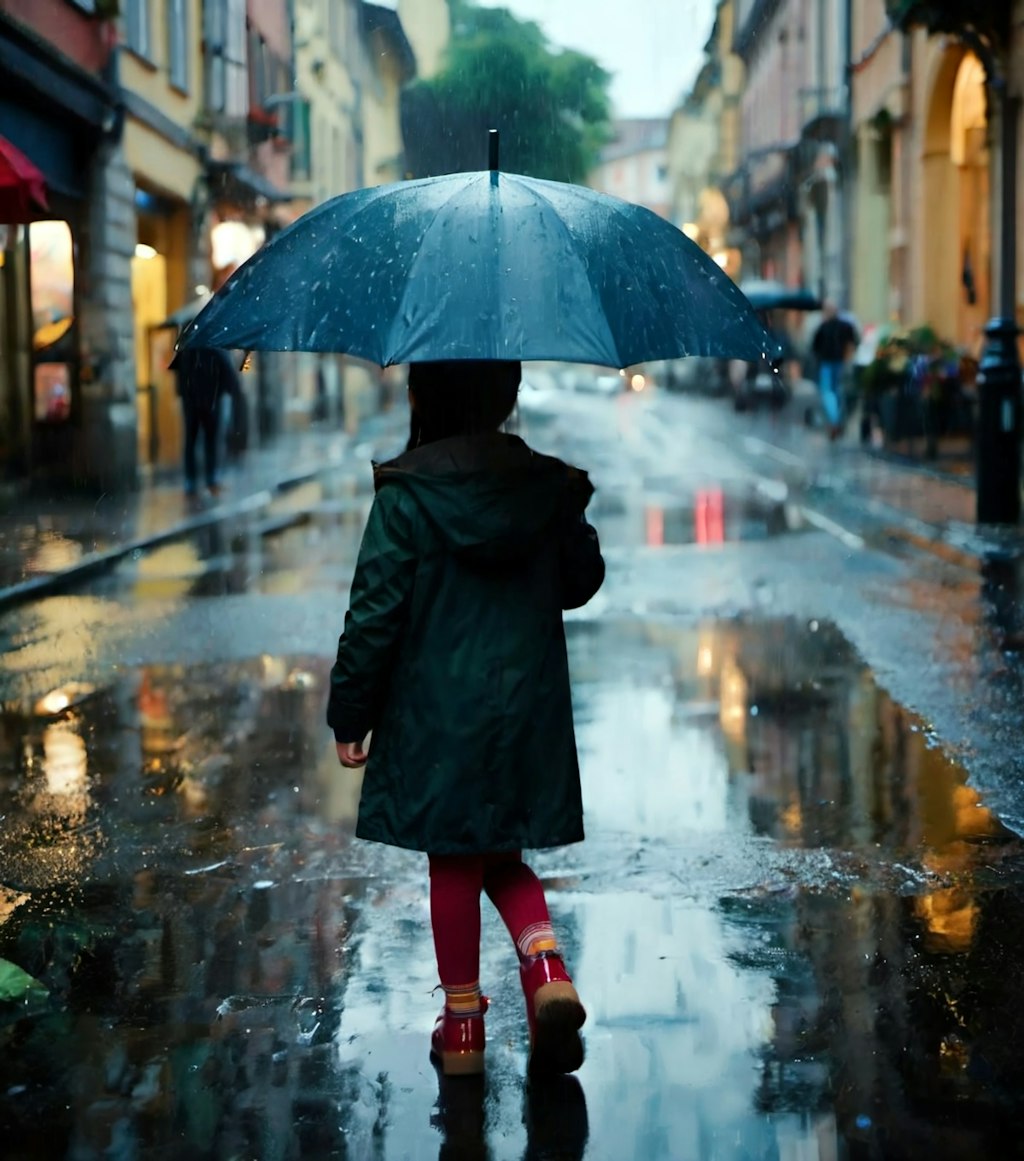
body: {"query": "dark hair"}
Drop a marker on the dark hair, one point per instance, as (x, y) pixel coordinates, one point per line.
(461, 397)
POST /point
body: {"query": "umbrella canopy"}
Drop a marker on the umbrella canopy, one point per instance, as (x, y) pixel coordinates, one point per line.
(482, 265)
(765, 294)
(22, 185)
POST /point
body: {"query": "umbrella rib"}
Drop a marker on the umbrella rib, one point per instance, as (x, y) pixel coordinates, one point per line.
(460, 188)
(715, 274)
(541, 196)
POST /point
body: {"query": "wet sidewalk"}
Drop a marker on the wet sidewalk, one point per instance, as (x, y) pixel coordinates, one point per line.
(796, 926)
(857, 483)
(50, 541)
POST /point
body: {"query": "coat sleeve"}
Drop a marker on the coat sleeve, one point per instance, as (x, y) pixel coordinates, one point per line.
(581, 562)
(376, 617)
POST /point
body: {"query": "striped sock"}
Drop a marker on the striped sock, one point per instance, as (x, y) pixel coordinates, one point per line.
(463, 999)
(536, 938)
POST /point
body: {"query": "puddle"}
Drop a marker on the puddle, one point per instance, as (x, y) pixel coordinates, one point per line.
(797, 929)
(311, 535)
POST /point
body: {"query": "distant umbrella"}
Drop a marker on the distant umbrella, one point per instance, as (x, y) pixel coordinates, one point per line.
(765, 294)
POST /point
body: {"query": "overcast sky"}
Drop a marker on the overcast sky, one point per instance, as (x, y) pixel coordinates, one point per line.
(653, 48)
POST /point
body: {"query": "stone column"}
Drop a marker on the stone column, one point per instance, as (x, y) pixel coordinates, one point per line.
(105, 455)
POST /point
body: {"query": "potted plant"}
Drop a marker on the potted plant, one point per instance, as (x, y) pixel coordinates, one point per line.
(914, 382)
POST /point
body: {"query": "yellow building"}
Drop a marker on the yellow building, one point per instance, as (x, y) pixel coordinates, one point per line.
(427, 25)
(704, 142)
(326, 60)
(352, 60)
(162, 80)
(392, 65)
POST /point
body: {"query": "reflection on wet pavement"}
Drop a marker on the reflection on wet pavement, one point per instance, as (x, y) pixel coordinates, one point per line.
(310, 532)
(713, 517)
(797, 929)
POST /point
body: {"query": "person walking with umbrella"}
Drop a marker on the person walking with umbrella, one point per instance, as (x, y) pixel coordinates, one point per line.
(453, 652)
(453, 657)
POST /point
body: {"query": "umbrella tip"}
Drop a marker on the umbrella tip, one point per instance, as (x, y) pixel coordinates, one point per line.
(492, 149)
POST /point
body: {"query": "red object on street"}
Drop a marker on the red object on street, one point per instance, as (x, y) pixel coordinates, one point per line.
(709, 516)
(21, 185)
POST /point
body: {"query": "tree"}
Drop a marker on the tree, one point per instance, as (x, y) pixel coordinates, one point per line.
(550, 106)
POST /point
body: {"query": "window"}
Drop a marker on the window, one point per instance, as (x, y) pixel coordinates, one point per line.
(298, 130)
(224, 35)
(138, 27)
(177, 43)
(52, 294)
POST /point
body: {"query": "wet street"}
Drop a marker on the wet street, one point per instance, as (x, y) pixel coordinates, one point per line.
(797, 921)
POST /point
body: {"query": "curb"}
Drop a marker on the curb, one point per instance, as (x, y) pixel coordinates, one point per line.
(919, 467)
(94, 563)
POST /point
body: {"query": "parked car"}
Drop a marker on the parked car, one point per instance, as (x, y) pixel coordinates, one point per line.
(608, 384)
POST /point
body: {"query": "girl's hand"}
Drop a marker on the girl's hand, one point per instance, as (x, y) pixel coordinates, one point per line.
(351, 754)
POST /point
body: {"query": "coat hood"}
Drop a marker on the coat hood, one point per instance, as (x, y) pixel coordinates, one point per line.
(490, 497)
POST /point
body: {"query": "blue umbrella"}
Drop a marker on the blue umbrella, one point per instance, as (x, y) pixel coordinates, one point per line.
(482, 265)
(764, 294)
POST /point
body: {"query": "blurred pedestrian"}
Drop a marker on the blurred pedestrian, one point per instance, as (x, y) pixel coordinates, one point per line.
(834, 342)
(453, 656)
(205, 379)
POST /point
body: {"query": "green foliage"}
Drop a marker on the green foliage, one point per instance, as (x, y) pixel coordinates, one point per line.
(898, 348)
(551, 107)
(17, 985)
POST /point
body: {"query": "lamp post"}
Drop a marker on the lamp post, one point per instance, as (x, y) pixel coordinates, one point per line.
(998, 435)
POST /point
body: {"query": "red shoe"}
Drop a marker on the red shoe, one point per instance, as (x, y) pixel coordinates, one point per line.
(554, 1014)
(458, 1042)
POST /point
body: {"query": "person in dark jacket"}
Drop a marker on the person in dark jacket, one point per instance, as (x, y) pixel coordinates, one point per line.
(833, 343)
(205, 378)
(453, 656)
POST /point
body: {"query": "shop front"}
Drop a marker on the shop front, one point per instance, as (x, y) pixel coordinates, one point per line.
(39, 334)
(54, 118)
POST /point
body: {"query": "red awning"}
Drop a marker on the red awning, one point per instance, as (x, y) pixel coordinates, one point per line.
(22, 185)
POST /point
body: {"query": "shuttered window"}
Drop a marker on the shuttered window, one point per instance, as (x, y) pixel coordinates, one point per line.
(177, 43)
(138, 27)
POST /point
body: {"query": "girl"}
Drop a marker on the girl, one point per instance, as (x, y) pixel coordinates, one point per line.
(453, 655)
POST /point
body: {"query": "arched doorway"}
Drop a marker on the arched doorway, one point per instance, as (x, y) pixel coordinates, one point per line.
(969, 153)
(957, 230)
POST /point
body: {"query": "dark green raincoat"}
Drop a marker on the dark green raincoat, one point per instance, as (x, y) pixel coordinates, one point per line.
(453, 652)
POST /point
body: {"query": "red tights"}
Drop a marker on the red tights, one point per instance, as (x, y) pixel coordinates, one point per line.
(455, 885)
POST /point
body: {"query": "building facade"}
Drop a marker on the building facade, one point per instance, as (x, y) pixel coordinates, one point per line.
(162, 85)
(634, 164)
(66, 389)
(704, 141)
(789, 196)
(174, 138)
(927, 196)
